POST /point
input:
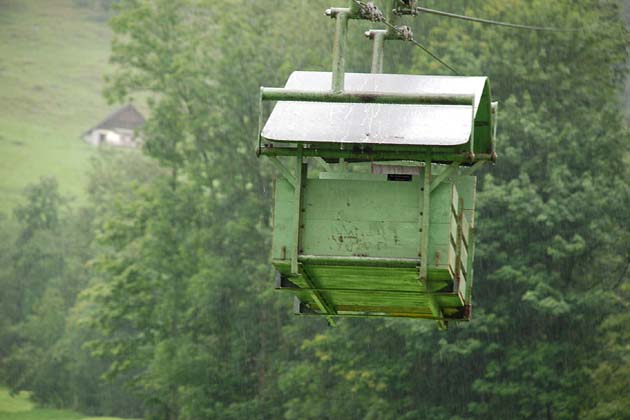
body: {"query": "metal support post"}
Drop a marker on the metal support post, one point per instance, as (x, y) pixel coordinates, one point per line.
(260, 121)
(300, 172)
(378, 44)
(425, 193)
(459, 245)
(494, 106)
(323, 260)
(471, 256)
(339, 50)
(472, 134)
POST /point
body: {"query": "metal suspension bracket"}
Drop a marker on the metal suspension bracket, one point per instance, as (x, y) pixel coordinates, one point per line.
(371, 12)
(357, 10)
(409, 8)
(342, 15)
(339, 50)
(379, 36)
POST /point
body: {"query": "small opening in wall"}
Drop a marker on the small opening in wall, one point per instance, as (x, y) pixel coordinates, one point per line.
(398, 177)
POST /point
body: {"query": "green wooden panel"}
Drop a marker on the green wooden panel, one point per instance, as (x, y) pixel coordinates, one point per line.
(363, 217)
(360, 217)
(375, 299)
(358, 200)
(375, 278)
(371, 278)
(359, 238)
(365, 278)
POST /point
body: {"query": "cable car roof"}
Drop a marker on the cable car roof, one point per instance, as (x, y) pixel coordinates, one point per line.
(378, 123)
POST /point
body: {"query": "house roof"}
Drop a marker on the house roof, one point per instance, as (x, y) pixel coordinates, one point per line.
(127, 117)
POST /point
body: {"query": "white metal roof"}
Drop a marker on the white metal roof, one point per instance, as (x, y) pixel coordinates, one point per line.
(371, 123)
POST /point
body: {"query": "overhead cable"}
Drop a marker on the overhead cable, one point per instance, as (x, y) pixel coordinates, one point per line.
(404, 32)
(495, 22)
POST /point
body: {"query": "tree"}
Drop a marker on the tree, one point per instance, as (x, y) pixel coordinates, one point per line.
(610, 378)
(543, 254)
(43, 277)
(179, 304)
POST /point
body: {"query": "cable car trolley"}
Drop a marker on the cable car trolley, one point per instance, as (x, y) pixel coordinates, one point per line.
(394, 241)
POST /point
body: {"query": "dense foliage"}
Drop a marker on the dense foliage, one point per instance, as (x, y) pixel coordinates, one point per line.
(155, 299)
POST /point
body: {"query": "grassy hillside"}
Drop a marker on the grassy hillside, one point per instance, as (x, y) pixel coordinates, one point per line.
(53, 56)
(20, 408)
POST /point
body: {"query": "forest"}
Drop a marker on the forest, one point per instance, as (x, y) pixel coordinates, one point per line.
(154, 298)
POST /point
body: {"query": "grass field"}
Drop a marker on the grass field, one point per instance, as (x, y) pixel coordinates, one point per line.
(20, 408)
(53, 54)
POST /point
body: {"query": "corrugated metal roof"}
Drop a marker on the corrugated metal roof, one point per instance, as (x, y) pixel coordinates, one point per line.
(425, 125)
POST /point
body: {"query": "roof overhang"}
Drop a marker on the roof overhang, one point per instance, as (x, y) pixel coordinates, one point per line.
(372, 123)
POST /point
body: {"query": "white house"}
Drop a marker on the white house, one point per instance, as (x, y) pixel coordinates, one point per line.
(120, 128)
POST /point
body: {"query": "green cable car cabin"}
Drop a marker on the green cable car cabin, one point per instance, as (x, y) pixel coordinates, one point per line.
(394, 241)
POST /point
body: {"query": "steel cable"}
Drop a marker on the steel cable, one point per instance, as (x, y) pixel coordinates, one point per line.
(495, 22)
(404, 34)
(419, 45)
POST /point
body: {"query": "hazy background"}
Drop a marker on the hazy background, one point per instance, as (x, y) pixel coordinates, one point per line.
(136, 283)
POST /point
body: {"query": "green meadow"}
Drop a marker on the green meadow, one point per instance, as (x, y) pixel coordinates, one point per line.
(53, 56)
(19, 407)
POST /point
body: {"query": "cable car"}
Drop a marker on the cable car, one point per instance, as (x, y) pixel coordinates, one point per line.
(397, 241)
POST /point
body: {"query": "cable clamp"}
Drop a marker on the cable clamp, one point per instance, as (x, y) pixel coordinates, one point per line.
(404, 32)
(370, 12)
(409, 8)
